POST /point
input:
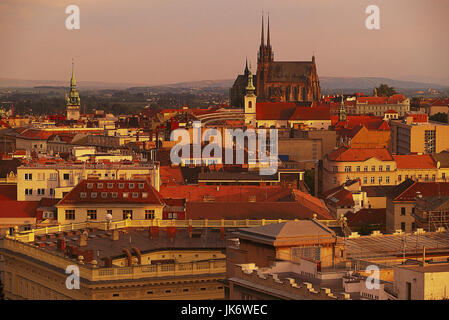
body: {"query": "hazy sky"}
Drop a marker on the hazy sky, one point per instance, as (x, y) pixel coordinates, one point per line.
(165, 41)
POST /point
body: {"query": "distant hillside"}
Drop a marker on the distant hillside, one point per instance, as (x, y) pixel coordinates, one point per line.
(327, 83)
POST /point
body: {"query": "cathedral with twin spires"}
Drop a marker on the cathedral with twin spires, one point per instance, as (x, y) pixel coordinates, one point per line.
(278, 81)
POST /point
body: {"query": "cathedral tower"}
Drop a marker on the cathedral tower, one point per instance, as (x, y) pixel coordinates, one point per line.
(73, 99)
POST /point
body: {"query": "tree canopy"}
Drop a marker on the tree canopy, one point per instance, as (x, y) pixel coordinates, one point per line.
(385, 91)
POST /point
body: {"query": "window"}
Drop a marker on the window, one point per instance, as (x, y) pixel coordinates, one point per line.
(380, 180)
(40, 192)
(131, 185)
(399, 178)
(93, 195)
(83, 195)
(41, 176)
(114, 195)
(70, 214)
(348, 169)
(426, 177)
(52, 191)
(66, 176)
(403, 226)
(387, 168)
(110, 185)
(358, 169)
(125, 214)
(141, 185)
(99, 185)
(381, 168)
(365, 168)
(365, 180)
(121, 185)
(373, 168)
(28, 176)
(53, 176)
(419, 176)
(403, 211)
(387, 179)
(334, 169)
(443, 175)
(28, 192)
(373, 179)
(149, 214)
(135, 194)
(433, 177)
(125, 194)
(92, 214)
(109, 211)
(90, 185)
(144, 195)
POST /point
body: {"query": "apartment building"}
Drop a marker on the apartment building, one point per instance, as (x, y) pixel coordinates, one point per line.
(94, 199)
(36, 180)
(416, 134)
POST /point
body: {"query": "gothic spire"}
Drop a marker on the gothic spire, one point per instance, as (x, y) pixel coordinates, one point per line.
(73, 80)
(262, 38)
(268, 33)
(246, 68)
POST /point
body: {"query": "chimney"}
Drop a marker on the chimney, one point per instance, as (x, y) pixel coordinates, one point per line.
(83, 239)
(61, 244)
(115, 235)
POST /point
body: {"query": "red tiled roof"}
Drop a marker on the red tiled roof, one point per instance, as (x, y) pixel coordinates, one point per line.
(415, 161)
(223, 193)
(314, 113)
(366, 216)
(252, 210)
(341, 197)
(8, 192)
(418, 117)
(427, 189)
(94, 190)
(362, 154)
(18, 209)
(370, 122)
(394, 99)
(274, 110)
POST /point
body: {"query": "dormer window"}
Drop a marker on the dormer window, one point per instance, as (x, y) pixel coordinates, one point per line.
(90, 185)
(121, 185)
(144, 194)
(93, 195)
(141, 185)
(135, 194)
(125, 194)
(110, 185)
(83, 195)
(131, 185)
(104, 195)
(99, 185)
(114, 195)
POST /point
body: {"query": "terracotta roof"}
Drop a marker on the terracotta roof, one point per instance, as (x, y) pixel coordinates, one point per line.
(113, 191)
(8, 192)
(252, 210)
(408, 189)
(415, 161)
(394, 99)
(18, 209)
(362, 154)
(274, 110)
(171, 175)
(315, 113)
(340, 198)
(227, 193)
(366, 216)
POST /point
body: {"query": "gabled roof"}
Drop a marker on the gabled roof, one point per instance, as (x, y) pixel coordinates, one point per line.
(289, 70)
(113, 191)
(275, 110)
(362, 154)
(415, 161)
(314, 113)
(394, 99)
(366, 216)
(18, 209)
(286, 233)
(409, 189)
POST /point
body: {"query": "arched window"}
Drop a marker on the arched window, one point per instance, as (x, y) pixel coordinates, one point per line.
(250, 104)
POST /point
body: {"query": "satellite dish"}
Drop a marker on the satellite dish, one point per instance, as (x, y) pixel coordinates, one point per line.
(108, 217)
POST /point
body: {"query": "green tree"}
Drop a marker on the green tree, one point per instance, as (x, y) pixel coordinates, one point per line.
(309, 180)
(439, 117)
(385, 91)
